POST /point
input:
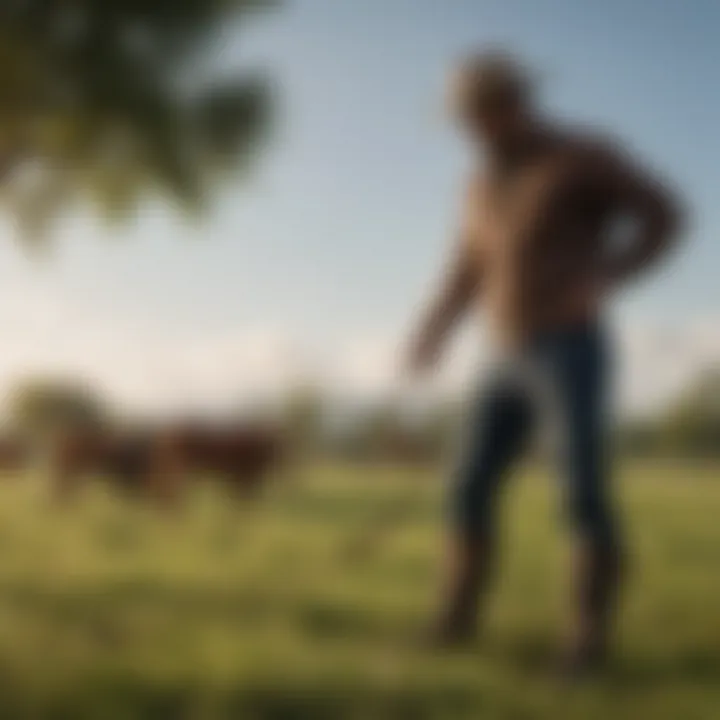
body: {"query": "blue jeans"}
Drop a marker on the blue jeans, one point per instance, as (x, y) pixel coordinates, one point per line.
(565, 374)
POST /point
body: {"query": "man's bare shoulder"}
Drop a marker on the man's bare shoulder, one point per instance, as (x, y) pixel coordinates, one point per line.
(590, 147)
(584, 155)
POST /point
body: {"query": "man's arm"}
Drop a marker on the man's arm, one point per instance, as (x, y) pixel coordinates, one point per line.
(652, 209)
(456, 292)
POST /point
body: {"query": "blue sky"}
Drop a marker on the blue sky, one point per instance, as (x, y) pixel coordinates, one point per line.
(345, 222)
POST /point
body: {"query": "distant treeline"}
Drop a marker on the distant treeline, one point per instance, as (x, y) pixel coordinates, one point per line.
(382, 430)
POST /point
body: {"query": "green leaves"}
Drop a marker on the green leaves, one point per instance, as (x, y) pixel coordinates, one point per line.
(41, 407)
(92, 94)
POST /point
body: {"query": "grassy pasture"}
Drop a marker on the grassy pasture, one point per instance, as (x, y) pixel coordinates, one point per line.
(307, 606)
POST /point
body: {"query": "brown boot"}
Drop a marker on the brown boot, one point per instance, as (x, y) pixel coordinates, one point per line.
(597, 574)
(468, 569)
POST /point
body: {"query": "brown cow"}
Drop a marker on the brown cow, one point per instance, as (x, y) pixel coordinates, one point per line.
(14, 454)
(131, 461)
(239, 455)
(157, 462)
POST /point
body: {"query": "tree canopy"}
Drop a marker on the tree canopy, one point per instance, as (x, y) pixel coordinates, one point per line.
(40, 407)
(690, 427)
(109, 100)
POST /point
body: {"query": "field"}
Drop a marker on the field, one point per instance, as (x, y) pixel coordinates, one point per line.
(308, 606)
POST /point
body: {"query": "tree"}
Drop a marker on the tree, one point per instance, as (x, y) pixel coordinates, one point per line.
(40, 407)
(693, 425)
(107, 100)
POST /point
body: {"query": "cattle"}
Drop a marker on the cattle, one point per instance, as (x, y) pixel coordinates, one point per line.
(158, 462)
(239, 455)
(127, 460)
(15, 454)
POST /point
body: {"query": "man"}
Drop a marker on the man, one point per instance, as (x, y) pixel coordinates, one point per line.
(542, 243)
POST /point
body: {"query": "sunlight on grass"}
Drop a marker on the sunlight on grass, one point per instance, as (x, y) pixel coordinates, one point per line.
(307, 605)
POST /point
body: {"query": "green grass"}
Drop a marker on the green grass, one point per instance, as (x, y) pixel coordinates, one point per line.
(308, 605)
